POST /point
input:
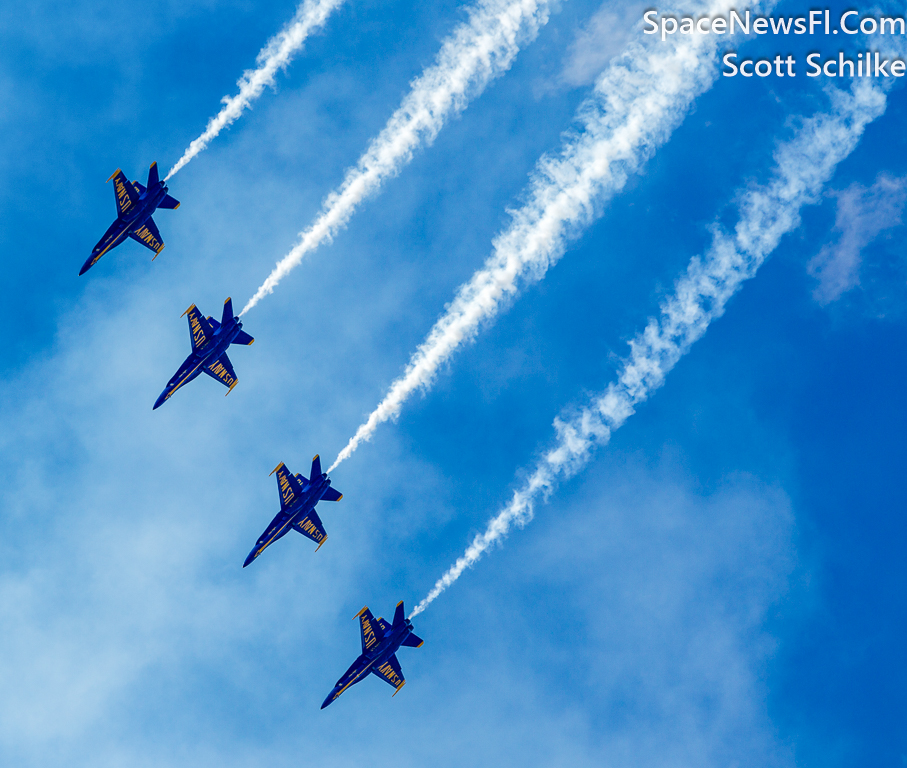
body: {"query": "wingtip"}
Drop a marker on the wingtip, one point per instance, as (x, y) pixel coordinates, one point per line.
(321, 544)
(276, 468)
(188, 311)
(112, 175)
(364, 609)
(398, 688)
(235, 382)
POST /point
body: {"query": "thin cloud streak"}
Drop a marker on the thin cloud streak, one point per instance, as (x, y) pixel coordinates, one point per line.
(477, 52)
(803, 166)
(635, 106)
(277, 54)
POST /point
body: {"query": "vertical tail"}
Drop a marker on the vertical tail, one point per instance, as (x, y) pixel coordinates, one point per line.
(153, 177)
(398, 614)
(316, 470)
(228, 311)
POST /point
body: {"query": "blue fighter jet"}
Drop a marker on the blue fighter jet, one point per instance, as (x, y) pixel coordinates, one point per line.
(298, 498)
(379, 647)
(135, 204)
(210, 341)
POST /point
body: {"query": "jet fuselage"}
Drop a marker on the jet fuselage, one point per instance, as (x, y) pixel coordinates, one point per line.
(129, 221)
(219, 342)
(298, 510)
(372, 659)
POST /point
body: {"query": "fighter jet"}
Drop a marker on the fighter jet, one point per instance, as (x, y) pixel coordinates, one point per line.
(298, 498)
(135, 204)
(210, 341)
(379, 647)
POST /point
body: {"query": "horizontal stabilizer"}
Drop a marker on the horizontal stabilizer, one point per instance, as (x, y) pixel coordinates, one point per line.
(170, 203)
(139, 187)
(413, 641)
(215, 324)
(332, 494)
(243, 338)
(390, 672)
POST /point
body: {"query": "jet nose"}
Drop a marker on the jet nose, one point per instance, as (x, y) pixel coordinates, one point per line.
(331, 696)
(249, 559)
(160, 401)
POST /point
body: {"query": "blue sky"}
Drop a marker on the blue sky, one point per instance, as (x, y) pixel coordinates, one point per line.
(722, 584)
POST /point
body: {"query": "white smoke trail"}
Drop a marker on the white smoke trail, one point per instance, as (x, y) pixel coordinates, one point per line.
(277, 54)
(636, 104)
(477, 51)
(803, 166)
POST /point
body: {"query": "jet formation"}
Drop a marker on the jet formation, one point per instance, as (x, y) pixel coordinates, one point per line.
(135, 204)
(298, 498)
(380, 643)
(210, 340)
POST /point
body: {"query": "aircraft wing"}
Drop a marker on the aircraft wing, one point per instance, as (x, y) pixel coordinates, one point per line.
(200, 329)
(287, 485)
(311, 527)
(125, 194)
(369, 629)
(149, 236)
(390, 672)
(222, 370)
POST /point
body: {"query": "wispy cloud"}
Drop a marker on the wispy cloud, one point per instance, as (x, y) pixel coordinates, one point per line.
(477, 51)
(277, 54)
(863, 214)
(636, 104)
(803, 166)
(604, 36)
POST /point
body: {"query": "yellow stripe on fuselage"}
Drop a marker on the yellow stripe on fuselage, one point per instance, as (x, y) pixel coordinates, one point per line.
(268, 542)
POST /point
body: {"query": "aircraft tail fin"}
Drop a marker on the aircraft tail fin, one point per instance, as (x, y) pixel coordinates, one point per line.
(243, 338)
(170, 203)
(316, 469)
(398, 614)
(153, 176)
(228, 311)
